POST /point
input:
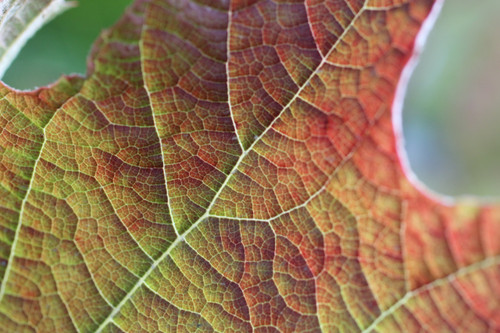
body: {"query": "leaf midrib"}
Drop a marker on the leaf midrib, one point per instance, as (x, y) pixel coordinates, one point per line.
(182, 236)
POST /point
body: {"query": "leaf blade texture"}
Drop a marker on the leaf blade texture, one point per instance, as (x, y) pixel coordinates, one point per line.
(232, 166)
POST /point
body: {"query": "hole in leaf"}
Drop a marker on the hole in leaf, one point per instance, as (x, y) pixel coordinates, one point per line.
(451, 115)
(62, 46)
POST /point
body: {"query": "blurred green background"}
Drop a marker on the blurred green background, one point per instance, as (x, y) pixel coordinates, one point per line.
(61, 46)
(451, 115)
(452, 110)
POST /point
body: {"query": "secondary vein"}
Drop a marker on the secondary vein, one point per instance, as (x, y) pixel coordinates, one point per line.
(182, 236)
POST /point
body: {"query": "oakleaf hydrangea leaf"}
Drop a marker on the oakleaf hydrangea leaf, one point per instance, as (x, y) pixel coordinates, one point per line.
(232, 166)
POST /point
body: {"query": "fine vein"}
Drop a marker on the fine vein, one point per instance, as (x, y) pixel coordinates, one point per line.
(483, 264)
(181, 238)
(19, 222)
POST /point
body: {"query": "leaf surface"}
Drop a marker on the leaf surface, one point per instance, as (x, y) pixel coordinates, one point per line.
(232, 166)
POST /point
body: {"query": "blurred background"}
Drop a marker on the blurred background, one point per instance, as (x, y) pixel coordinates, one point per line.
(61, 46)
(451, 114)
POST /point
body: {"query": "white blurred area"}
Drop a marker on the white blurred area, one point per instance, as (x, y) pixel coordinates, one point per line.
(451, 114)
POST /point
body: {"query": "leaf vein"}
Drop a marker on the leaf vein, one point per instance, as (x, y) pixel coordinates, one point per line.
(483, 264)
(182, 236)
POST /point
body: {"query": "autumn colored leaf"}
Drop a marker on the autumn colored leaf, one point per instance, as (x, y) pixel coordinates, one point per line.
(233, 166)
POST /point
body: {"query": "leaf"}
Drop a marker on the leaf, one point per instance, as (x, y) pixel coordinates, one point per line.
(19, 20)
(232, 166)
